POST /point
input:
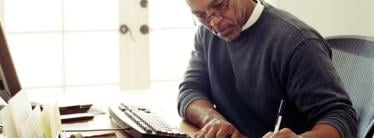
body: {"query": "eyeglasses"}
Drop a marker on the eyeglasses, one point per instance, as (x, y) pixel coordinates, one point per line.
(218, 9)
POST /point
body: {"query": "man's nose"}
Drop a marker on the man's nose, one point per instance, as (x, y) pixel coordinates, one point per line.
(215, 20)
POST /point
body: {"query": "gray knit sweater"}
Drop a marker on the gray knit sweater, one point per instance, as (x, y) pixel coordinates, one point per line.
(279, 57)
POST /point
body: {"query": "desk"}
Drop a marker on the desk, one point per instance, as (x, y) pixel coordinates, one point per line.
(103, 122)
(164, 104)
(161, 101)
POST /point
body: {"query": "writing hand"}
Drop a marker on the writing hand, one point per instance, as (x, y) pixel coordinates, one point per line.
(283, 133)
(218, 128)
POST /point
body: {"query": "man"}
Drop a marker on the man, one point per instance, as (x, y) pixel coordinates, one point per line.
(249, 56)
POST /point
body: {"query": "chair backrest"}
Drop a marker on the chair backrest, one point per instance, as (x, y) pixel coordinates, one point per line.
(353, 58)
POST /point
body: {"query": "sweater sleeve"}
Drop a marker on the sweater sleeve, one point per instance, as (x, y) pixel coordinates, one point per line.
(317, 90)
(196, 81)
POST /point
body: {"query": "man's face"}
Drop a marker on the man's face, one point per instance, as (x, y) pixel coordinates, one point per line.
(225, 18)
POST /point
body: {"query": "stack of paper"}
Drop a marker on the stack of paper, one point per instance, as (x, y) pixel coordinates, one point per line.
(20, 121)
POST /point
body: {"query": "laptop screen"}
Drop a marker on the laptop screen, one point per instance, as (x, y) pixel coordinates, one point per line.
(9, 84)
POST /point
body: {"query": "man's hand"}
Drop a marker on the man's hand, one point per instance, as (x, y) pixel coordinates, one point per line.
(283, 133)
(318, 131)
(218, 128)
(213, 125)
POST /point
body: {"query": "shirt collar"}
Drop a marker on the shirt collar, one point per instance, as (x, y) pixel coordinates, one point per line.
(254, 16)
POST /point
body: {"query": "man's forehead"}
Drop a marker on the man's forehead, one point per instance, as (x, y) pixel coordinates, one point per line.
(199, 5)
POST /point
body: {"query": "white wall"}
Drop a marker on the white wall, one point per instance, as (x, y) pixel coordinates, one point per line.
(1, 11)
(333, 17)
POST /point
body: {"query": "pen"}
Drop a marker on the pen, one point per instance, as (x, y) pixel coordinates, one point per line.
(279, 118)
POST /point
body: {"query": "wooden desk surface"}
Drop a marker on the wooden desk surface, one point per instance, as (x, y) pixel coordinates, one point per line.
(164, 104)
(103, 122)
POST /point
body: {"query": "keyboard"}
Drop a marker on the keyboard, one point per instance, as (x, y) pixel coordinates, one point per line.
(141, 122)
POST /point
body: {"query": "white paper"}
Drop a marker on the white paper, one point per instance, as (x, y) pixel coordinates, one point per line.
(26, 130)
(9, 128)
(46, 125)
(20, 109)
(37, 115)
(32, 127)
(55, 120)
(51, 119)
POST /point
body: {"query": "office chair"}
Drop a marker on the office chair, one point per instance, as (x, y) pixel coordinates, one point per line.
(353, 58)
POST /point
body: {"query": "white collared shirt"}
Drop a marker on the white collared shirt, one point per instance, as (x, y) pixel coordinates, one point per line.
(256, 13)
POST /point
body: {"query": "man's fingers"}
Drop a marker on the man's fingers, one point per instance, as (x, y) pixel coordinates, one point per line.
(225, 131)
(268, 135)
(211, 133)
(283, 133)
(285, 130)
(201, 133)
(218, 129)
(197, 134)
(236, 134)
